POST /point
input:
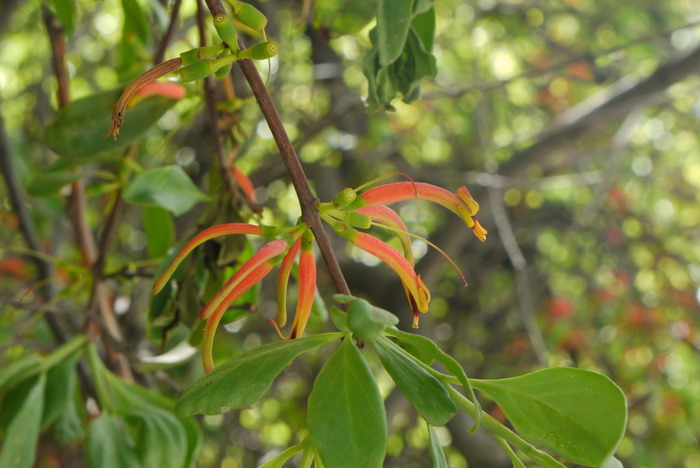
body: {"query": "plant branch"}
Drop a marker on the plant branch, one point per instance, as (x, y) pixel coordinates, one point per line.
(167, 37)
(307, 199)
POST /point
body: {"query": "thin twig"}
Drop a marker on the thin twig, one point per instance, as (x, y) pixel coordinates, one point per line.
(168, 36)
(307, 200)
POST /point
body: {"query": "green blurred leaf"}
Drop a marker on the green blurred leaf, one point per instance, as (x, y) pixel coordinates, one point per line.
(49, 183)
(339, 319)
(132, 55)
(451, 365)
(160, 230)
(79, 130)
(424, 27)
(393, 22)
(19, 370)
(109, 444)
(65, 11)
(22, 433)
(168, 187)
(281, 459)
(427, 395)
(160, 438)
(436, 452)
(245, 378)
(69, 426)
(344, 16)
(346, 417)
(60, 385)
(365, 320)
(578, 414)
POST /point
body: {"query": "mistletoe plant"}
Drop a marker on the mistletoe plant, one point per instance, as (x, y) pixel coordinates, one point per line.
(565, 414)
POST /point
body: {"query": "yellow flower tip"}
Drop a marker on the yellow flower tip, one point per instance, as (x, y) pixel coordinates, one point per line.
(466, 197)
(479, 230)
(416, 318)
(423, 298)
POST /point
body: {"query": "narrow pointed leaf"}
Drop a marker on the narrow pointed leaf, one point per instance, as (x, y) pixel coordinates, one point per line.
(245, 378)
(346, 417)
(436, 452)
(427, 395)
(22, 433)
(578, 414)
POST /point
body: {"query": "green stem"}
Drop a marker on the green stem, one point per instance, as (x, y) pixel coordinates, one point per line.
(64, 351)
(500, 431)
(517, 463)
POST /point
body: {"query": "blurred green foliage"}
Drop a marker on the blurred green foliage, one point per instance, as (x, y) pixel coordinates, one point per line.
(607, 222)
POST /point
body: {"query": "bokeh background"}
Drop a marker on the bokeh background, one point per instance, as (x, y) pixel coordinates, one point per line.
(573, 122)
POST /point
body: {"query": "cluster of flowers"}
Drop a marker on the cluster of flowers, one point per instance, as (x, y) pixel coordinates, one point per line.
(349, 211)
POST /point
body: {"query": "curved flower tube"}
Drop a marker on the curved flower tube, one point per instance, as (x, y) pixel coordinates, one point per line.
(385, 215)
(419, 294)
(462, 203)
(220, 301)
(283, 281)
(236, 292)
(207, 234)
(307, 288)
(244, 183)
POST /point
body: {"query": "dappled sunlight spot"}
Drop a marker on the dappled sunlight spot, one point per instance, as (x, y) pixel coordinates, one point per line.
(504, 64)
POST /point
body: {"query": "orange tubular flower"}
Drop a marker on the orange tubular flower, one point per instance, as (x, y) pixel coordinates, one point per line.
(307, 288)
(283, 280)
(207, 234)
(419, 296)
(461, 203)
(245, 283)
(244, 183)
(222, 299)
(385, 215)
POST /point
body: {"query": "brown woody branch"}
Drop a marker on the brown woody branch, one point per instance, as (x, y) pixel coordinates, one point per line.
(307, 199)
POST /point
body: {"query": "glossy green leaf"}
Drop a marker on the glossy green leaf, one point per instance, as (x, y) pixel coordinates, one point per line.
(168, 187)
(65, 11)
(427, 395)
(436, 452)
(450, 364)
(22, 432)
(578, 414)
(245, 378)
(159, 229)
(79, 130)
(346, 417)
(365, 320)
(393, 22)
(419, 346)
(109, 444)
(60, 385)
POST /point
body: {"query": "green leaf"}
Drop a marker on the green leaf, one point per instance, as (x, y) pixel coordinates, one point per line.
(65, 12)
(131, 56)
(393, 21)
(245, 378)
(339, 319)
(80, 128)
(19, 446)
(19, 370)
(60, 385)
(160, 230)
(281, 459)
(109, 444)
(578, 414)
(436, 452)
(424, 27)
(51, 182)
(451, 365)
(427, 395)
(69, 426)
(343, 16)
(346, 417)
(168, 187)
(365, 320)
